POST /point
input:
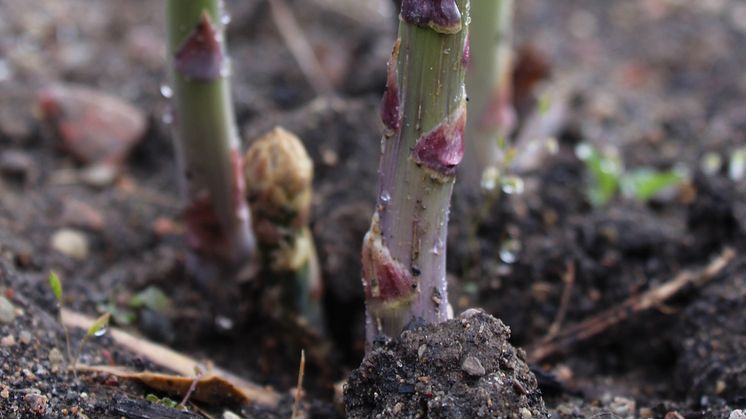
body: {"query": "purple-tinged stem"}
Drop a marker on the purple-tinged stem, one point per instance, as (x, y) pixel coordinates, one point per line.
(424, 113)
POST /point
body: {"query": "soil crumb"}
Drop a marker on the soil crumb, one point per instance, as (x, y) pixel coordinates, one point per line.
(463, 368)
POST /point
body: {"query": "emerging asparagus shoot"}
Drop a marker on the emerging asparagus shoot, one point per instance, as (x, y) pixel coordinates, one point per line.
(424, 114)
(216, 214)
(279, 177)
(488, 84)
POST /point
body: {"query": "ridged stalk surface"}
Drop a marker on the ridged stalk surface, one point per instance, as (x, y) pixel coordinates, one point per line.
(424, 114)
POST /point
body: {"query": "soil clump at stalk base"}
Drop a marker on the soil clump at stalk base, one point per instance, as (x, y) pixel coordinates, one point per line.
(463, 368)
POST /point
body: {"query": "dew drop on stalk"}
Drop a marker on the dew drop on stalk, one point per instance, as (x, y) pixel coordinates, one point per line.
(385, 197)
(225, 18)
(168, 117)
(166, 91)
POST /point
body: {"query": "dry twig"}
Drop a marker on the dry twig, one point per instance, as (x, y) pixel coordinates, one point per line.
(298, 45)
(568, 278)
(174, 361)
(299, 388)
(603, 321)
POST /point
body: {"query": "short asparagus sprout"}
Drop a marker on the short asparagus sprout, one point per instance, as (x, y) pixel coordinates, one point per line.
(279, 176)
(216, 214)
(424, 114)
(489, 86)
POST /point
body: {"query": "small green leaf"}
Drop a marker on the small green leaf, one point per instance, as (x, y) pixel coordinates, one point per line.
(604, 172)
(56, 284)
(120, 315)
(99, 326)
(151, 297)
(646, 183)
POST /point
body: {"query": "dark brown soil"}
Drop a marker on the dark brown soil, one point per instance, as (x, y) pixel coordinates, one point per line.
(464, 368)
(659, 82)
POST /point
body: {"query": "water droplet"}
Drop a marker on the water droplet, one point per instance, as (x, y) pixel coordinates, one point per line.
(711, 163)
(489, 178)
(512, 185)
(552, 145)
(168, 118)
(385, 197)
(583, 151)
(5, 72)
(225, 18)
(225, 68)
(436, 247)
(223, 323)
(167, 91)
(737, 167)
(100, 332)
(509, 250)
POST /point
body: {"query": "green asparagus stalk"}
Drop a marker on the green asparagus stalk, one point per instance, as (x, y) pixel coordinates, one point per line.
(279, 177)
(424, 114)
(216, 214)
(488, 84)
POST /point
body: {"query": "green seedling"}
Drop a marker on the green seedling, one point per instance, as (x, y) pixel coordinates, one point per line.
(98, 328)
(607, 177)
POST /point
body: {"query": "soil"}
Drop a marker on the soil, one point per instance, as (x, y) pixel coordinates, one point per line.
(464, 368)
(659, 83)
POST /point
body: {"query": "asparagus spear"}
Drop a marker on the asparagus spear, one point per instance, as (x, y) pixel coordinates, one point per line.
(216, 214)
(488, 84)
(424, 114)
(279, 177)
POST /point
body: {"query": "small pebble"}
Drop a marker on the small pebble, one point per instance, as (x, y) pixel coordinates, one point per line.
(8, 341)
(99, 175)
(70, 243)
(473, 367)
(526, 414)
(25, 337)
(4, 393)
(55, 359)
(421, 350)
(94, 126)
(230, 415)
(7, 311)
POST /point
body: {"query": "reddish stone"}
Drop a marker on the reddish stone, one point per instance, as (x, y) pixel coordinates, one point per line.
(96, 128)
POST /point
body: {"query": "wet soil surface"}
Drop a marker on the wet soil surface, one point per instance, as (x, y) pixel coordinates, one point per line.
(659, 83)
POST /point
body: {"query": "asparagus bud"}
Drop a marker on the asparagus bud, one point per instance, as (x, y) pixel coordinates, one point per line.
(279, 176)
(488, 84)
(424, 114)
(215, 213)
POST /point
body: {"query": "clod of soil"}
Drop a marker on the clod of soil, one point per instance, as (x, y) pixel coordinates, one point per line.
(463, 368)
